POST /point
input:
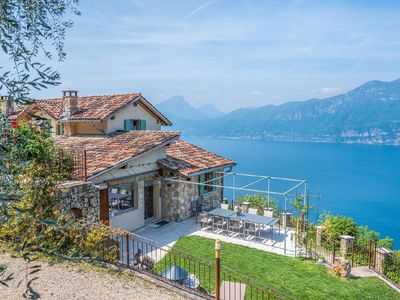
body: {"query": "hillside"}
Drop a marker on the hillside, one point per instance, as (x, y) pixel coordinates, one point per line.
(369, 113)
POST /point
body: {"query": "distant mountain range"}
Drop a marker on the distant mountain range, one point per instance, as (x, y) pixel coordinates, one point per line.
(368, 114)
(177, 108)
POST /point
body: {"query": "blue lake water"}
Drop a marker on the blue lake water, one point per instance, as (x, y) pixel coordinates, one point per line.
(361, 181)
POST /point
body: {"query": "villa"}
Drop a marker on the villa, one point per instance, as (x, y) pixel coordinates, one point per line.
(129, 158)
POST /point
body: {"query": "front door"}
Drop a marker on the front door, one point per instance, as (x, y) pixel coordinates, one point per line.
(148, 199)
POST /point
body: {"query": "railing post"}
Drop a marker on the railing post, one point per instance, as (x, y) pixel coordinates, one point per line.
(217, 269)
(369, 254)
(127, 248)
(85, 164)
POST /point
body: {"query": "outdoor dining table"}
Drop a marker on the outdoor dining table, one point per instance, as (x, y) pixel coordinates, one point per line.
(220, 212)
(262, 220)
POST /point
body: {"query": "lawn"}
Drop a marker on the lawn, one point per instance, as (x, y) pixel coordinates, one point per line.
(295, 277)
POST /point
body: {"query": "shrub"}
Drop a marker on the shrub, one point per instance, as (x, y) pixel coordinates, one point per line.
(335, 226)
(258, 201)
(391, 267)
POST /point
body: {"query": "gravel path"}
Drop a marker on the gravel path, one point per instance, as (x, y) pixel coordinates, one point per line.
(73, 281)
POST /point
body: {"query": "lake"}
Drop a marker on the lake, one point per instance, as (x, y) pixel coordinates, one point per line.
(360, 181)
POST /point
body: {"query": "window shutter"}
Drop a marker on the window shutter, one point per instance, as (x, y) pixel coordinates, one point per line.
(132, 124)
(126, 125)
(142, 124)
(201, 187)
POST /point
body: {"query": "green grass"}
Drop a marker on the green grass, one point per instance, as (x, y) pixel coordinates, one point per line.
(297, 278)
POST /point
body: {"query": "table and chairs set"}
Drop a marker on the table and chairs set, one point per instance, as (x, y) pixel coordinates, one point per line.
(242, 224)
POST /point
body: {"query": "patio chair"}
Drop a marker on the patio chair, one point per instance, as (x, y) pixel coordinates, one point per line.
(253, 211)
(235, 226)
(218, 222)
(224, 205)
(268, 213)
(204, 219)
(251, 228)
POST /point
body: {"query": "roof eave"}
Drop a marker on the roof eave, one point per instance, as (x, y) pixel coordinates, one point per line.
(124, 161)
(156, 111)
(210, 170)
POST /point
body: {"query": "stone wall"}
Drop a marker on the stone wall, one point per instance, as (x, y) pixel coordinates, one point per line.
(212, 199)
(81, 199)
(178, 197)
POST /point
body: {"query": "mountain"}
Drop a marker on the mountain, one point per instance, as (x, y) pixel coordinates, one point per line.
(178, 109)
(369, 113)
(210, 110)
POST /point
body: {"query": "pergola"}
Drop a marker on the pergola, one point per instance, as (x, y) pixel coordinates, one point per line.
(248, 187)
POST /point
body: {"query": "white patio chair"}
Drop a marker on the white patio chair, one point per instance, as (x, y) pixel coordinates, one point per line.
(253, 211)
(235, 226)
(204, 219)
(268, 213)
(224, 206)
(251, 228)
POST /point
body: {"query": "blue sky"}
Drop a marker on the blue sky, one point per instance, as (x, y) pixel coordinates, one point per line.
(229, 52)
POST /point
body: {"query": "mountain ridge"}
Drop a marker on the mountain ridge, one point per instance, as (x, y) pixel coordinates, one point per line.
(369, 114)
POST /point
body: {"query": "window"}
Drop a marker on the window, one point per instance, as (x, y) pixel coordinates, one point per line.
(131, 124)
(60, 129)
(208, 181)
(122, 197)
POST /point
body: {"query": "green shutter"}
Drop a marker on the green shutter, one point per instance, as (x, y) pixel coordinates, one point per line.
(126, 125)
(142, 124)
(201, 187)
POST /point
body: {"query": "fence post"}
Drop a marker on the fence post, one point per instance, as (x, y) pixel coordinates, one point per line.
(369, 254)
(217, 268)
(334, 253)
(127, 249)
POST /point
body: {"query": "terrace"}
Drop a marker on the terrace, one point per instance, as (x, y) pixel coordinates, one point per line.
(264, 226)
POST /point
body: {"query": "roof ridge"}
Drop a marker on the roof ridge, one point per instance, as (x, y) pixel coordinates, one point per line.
(106, 95)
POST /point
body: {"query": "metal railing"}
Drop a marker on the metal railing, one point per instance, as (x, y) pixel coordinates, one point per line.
(165, 264)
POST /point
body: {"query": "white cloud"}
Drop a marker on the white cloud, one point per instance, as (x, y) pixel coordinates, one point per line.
(200, 8)
(330, 90)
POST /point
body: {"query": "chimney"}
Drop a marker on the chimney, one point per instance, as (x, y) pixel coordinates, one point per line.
(70, 102)
(8, 105)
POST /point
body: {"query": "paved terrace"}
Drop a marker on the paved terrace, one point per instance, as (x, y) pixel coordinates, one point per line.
(168, 234)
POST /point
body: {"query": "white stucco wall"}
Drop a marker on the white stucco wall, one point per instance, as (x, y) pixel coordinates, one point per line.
(132, 112)
(134, 218)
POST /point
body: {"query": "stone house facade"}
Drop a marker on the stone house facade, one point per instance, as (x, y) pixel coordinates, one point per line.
(129, 161)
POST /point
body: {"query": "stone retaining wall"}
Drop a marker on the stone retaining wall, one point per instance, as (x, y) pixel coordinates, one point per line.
(81, 199)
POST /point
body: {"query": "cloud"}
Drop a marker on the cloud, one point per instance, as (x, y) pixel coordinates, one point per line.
(200, 8)
(256, 93)
(330, 90)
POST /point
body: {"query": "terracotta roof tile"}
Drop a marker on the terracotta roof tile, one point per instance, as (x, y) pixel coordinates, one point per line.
(89, 107)
(104, 152)
(187, 159)
(98, 107)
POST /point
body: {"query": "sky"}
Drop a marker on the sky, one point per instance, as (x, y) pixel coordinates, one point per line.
(231, 53)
